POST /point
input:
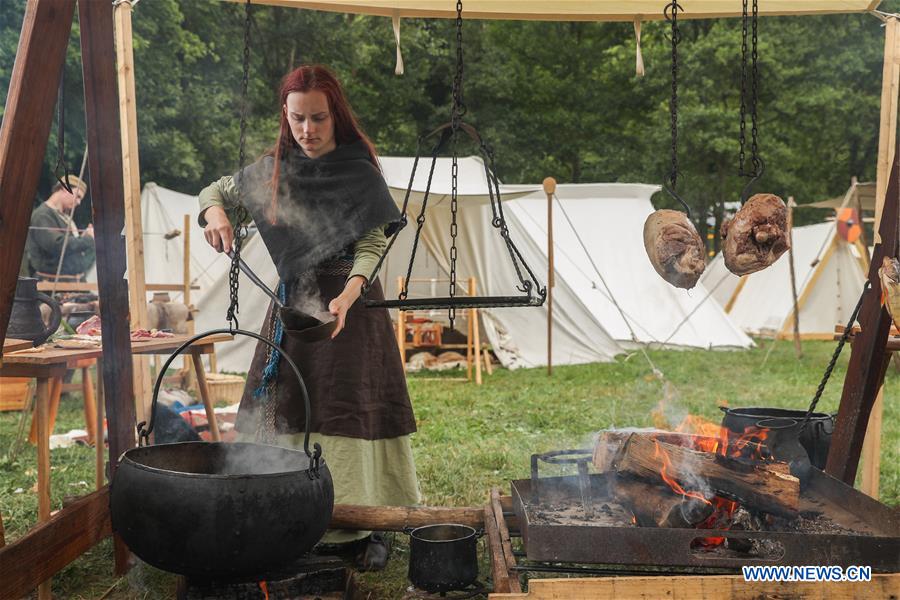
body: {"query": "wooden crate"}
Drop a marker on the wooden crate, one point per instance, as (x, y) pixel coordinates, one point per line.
(224, 389)
(14, 393)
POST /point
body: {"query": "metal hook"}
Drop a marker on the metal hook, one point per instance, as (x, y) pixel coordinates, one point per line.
(759, 168)
(671, 191)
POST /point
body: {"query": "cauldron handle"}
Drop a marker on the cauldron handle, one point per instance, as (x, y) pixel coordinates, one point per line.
(144, 432)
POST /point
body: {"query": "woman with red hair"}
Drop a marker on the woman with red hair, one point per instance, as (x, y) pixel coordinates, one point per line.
(321, 206)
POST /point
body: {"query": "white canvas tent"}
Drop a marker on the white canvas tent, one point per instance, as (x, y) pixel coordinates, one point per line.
(830, 275)
(587, 324)
(588, 327)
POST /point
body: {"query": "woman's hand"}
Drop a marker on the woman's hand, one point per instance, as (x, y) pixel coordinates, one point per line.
(340, 305)
(218, 231)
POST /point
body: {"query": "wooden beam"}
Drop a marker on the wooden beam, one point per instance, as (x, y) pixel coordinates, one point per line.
(868, 354)
(27, 117)
(105, 166)
(134, 231)
(694, 587)
(509, 559)
(49, 547)
(101, 102)
(88, 286)
(398, 518)
(887, 131)
(871, 450)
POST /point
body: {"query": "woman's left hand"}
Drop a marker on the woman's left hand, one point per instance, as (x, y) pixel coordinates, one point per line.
(340, 305)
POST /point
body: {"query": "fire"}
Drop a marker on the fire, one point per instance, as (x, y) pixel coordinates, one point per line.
(667, 465)
(719, 519)
(264, 588)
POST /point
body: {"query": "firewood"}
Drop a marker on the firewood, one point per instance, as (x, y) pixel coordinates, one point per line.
(656, 505)
(608, 443)
(756, 236)
(674, 248)
(753, 485)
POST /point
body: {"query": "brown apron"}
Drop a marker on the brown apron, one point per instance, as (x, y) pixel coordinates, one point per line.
(356, 383)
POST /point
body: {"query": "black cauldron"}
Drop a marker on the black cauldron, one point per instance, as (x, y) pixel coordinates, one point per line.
(815, 437)
(221, 511)
(443, 557)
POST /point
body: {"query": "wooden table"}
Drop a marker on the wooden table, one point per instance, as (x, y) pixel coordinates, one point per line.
(49, 366)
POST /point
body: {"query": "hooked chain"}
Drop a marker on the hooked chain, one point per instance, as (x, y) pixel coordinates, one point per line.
(672, 16)
(754, 92)
(240, 232)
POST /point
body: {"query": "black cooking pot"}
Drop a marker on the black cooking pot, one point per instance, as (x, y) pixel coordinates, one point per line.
(443, 557)
(221, 511)
(815, 437)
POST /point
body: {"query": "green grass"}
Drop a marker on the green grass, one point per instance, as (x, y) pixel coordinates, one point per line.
(471, 438)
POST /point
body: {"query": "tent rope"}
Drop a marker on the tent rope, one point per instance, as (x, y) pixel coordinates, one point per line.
(656, 371)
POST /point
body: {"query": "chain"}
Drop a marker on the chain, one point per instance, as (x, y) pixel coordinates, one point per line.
(456, 113)
(672, 16)
(834, 357)
(240, 232)
(61, 135)
(755, 161)
(743, 135)
(754, 132)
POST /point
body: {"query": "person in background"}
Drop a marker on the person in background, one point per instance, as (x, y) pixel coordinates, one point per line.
(51, 224)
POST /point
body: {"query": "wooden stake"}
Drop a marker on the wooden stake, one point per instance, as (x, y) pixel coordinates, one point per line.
(798, 348)
(476, 331)
(27, 117)
(871, 450)
(42, 423)
(100, 448)
(550, 189)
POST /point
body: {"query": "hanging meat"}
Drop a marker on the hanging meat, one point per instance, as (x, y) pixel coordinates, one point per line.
(889, 275)
(674, 247)
(756, 236)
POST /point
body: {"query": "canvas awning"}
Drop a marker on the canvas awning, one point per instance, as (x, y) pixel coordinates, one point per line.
(572, 10)
(862, 195)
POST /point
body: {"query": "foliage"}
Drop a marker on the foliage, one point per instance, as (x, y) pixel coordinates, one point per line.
(558, 99)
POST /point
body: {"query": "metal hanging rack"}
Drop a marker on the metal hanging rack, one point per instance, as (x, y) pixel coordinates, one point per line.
(532, 293)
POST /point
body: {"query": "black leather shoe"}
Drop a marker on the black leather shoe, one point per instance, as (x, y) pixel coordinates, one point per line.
(376, 553)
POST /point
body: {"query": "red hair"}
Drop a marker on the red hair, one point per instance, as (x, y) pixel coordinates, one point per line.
(346, 126)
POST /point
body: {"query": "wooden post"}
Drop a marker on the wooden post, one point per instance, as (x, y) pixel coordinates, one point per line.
(42, 421)
(105, 166)
(100, 454)
(401, 327)
(27, 117)
(134, 245)
(476, 344)
(798, 348)
(887, 131)
(90, 405)
(868, 356)
(550, 189)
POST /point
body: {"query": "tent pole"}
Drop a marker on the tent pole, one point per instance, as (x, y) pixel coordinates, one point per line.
(137, 297)
(550, 189)
(811, 284)
(798, 348)
(890, 85)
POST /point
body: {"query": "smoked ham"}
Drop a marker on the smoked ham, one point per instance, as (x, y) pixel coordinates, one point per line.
(674, 247)
(756, 236)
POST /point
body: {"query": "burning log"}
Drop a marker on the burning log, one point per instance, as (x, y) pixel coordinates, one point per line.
(656, 506)
(674, 247)
(767, 487)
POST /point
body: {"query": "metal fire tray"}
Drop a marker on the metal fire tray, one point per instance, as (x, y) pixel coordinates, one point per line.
(605, 538)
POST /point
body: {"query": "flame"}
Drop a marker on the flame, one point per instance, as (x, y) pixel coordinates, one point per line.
(264, 588)
(666, 466)
(720, 518)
